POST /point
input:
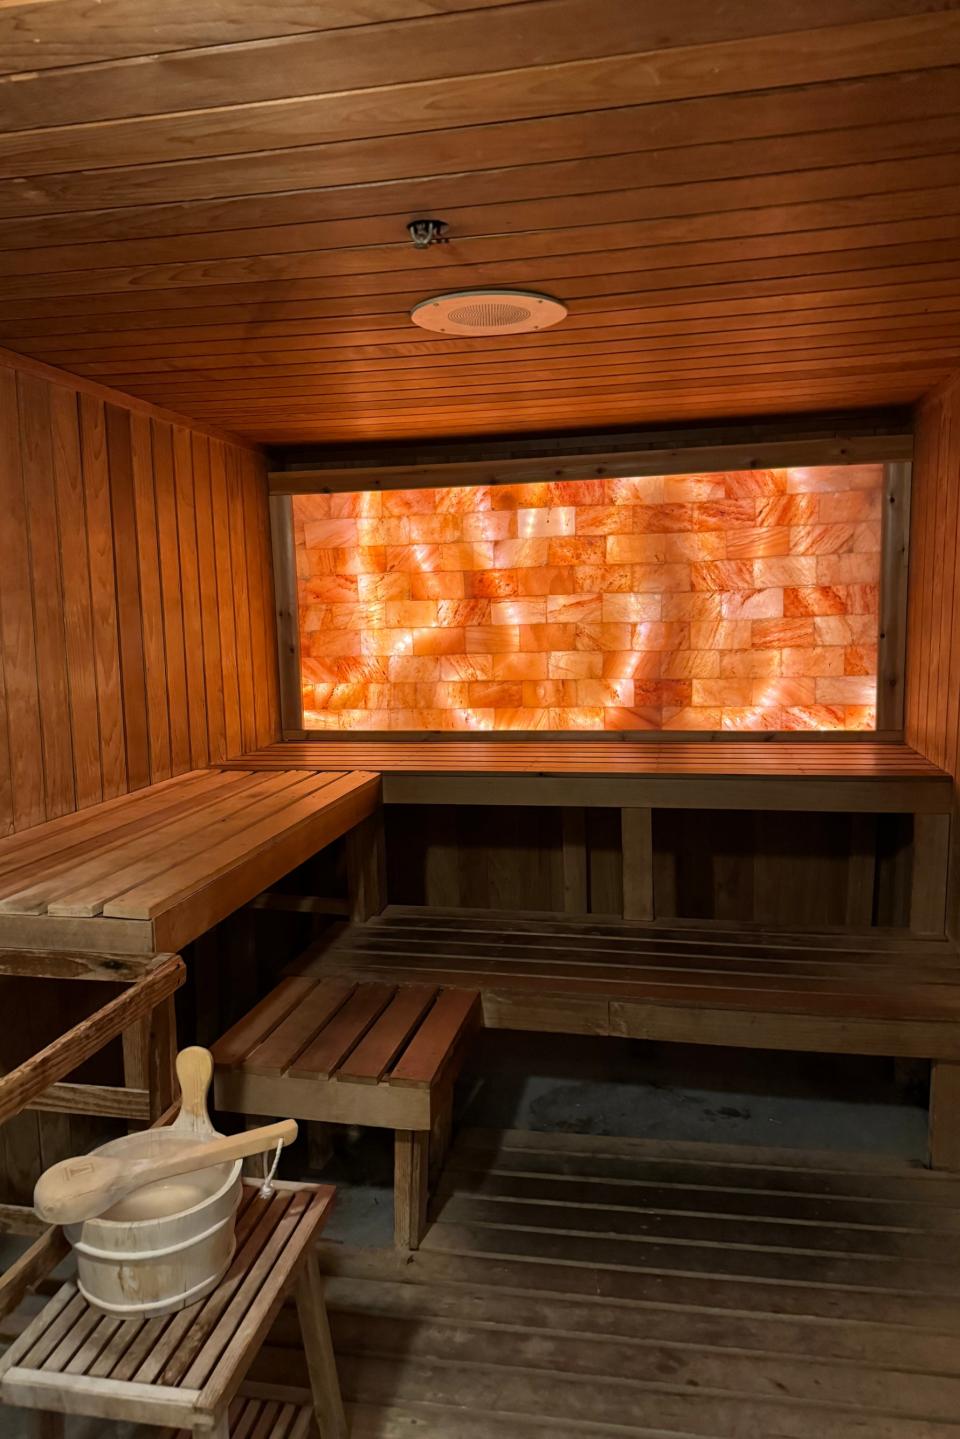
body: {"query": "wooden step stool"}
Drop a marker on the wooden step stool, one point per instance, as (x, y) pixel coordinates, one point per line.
(184, 1371)
(339, 1052)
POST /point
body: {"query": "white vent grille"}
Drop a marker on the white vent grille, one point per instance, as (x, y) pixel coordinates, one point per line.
(488, 312)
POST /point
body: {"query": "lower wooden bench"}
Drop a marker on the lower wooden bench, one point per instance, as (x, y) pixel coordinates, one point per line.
(184, 1371)
(340, 1052)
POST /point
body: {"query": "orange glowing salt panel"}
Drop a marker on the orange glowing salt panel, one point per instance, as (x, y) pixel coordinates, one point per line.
(746, 600)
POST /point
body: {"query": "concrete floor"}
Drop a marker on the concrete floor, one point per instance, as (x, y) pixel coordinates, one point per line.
(626, 1087)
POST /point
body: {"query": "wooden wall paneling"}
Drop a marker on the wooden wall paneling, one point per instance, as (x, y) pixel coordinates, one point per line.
(259, 588)
(895, 560)
(151, 598)
(605, 861)
(209, 609)
(96, 486)
(220, 498)
(287, 612)
(272, 657)
(170, 583)
(240, 596)
(78, 609)
(19, 646)
(636, 826)
(862, 866)
(574, 873)
(129, 624)
(190, 596)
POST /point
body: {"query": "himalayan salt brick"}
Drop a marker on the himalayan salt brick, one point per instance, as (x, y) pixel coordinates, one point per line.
(756, 543)
(725, 693)
(330, 534)
(401, 696)
(433, 585)
(862, 599)
(845, 629)
(315, 617)
(447, 695)
(720, 634)
(658, 693)
(690, 664)
(849, 506)
(690, 605)
(602, 636)
(421, 669)
(365, 506)
(778, 572)
(523, 665)
(788, 510)
(659, 519)
(812, 660)
(766, 634)
(542, 694)
(491, 639)
(722, 575)
(409, 614)
(521, 719)
(645, 490)
(690, 718)
(367, 616)
(518, 612)
(457, 614)
(604, 520)
(321, 719)
(860, 717)
(821, 539)
(741, 484)
(495, 695)
(331, 642)
(427, 529)
(812, 717)
(386, 642)
(469, 667)
(574, 665)
(661, 635)
(471, 719)
(490, 525)
(319, 562)
(847, 690)
(436, 641)
(636, 717)
(680, 488)
(547, 637)
(347, 697)
(752, 604)
(794, 691)
(411, 558)
(473, 555)
(519, 554)
(310, 507)
(604, 692)
(576, 550)
(631, 608)
(749, 664)
(547, 580)
(834, 477)
(666, 548)
(364, 560)
(581, 493)
(409, 502)
(571, 608)
(317, 696)
(331, 589)
(848, 569)
(750, 718)
(659, 578)
(373, 588)
(602, 579)
(519, 497)
(860, 660)
(545, 523)
(382, 532)
(815, 600)
(371, 669)
(462, 500)
(631, 664)
(579, 717)
(724, 514)
(868, 537)
(491, 584)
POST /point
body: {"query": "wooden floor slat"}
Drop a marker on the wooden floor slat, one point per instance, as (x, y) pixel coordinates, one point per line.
(501, 1329)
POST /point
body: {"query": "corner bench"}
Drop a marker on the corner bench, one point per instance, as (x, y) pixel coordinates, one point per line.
(342, 1052)
(830, 992)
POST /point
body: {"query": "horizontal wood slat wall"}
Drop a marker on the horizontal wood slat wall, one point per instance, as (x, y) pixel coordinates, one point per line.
(137, 638)
(932, 700)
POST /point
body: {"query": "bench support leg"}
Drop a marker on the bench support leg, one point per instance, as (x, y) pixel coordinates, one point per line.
(636, 832)
(410, 1180)
(931, 865)
(149, 1056)
(945, 1115)
(318, 1348)
(47, 1425)
(440, 1132)
(367, 868)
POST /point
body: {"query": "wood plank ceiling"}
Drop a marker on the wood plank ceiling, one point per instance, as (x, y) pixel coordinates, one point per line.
(748, 208)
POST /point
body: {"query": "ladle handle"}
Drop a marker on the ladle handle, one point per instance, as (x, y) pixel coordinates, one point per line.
(195, 1073)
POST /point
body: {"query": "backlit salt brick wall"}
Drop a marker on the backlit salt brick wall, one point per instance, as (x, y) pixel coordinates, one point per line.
(746, 600)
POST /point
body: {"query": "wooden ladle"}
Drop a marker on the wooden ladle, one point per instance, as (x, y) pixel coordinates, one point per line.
(90, 1184)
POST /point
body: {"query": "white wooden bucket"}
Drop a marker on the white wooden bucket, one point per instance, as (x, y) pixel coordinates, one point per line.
(128, 1266)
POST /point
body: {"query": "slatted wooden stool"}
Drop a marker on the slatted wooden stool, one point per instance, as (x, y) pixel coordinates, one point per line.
(185, 1370)
(341, 1052)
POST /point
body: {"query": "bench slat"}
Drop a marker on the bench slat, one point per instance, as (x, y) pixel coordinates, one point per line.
(316, 1008)
(436, 1038)
(381, 1045)
(344, 1032)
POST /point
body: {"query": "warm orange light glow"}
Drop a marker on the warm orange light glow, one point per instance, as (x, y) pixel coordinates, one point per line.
(746, 600)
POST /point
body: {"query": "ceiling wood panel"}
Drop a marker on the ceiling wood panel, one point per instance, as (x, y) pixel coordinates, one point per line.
(747, 210)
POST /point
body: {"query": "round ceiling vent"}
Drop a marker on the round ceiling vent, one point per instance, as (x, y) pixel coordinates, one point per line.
(488, 312)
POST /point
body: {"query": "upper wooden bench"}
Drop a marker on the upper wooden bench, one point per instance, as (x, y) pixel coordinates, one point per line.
(154, 869)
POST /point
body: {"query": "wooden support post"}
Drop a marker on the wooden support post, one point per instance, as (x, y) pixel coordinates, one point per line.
(636, 828)
(367, 868)
(945, 1115)
(574, 854)
(931, 863)
(861, 875)
(440, 1133)
(411, 1166)
(318, 1348)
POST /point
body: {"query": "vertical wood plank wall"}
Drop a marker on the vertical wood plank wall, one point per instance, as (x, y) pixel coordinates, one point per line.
(137, 635)
(932, 679)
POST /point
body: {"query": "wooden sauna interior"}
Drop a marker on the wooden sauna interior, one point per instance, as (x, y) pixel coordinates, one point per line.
(522, 741)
